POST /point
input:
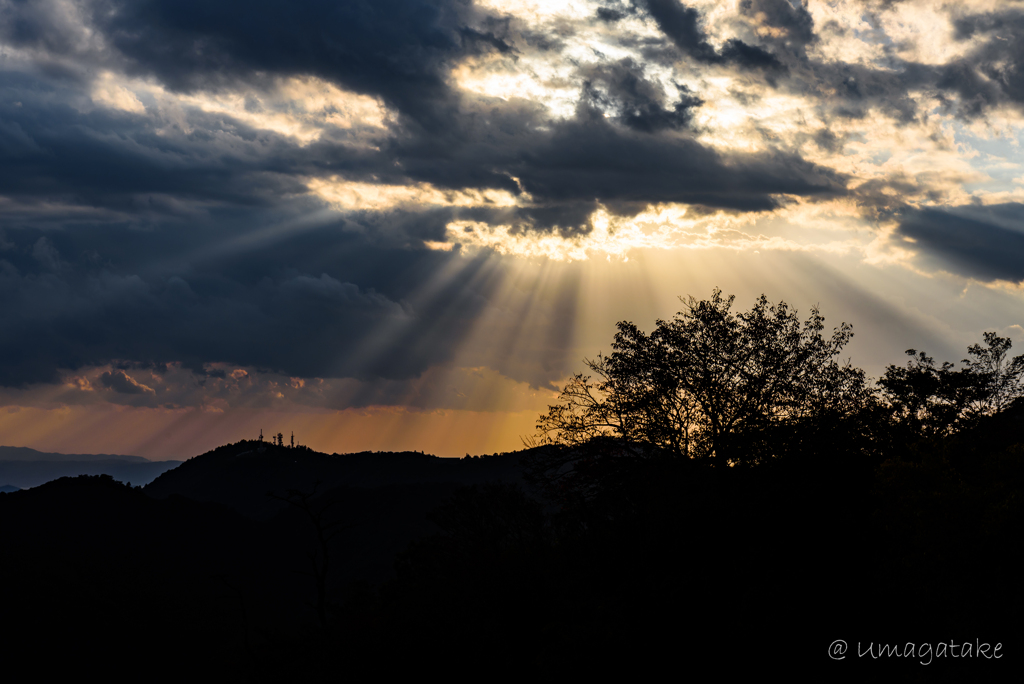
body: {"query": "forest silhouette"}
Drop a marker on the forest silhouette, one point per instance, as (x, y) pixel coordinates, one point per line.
(721, 495)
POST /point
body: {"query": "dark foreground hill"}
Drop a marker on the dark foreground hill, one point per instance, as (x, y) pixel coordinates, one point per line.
(452, 567)
(210, 560)
(103, 578)
(381, 499)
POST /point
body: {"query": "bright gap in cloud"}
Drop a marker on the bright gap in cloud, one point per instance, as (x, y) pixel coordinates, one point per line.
(301, 107)
(354, 195)
(667, 227)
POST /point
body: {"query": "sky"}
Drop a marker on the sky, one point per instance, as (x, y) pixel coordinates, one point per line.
(404, 224)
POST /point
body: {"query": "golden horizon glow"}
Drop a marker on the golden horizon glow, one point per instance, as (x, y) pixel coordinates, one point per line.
(180, 434)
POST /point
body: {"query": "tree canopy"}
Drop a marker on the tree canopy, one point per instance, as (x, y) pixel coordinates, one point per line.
(935, 401)
(742, 388)
(710, 383)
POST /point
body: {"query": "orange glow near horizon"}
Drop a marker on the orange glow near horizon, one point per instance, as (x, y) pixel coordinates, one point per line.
(540, 319)
(161, 434)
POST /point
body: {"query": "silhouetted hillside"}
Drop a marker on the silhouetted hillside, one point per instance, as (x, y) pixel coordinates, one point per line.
(113, 580)
(240, 475)
(451, 565)
(110, 557)
(381, 498)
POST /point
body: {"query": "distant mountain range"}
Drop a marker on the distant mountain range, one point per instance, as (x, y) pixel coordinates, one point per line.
(24, 468)
(9, 453)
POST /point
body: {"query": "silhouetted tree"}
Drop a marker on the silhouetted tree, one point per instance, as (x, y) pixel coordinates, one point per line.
(709, 384)
(929, 401)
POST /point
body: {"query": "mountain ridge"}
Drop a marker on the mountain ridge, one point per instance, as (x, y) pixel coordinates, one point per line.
(14, 453)
(240, 475)
(24, 467)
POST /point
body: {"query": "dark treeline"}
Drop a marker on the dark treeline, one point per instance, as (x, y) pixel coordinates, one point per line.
(727, 493)
(724, 494)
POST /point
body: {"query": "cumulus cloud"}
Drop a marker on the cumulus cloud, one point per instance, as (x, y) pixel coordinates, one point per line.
(401, 51)
(197, 183)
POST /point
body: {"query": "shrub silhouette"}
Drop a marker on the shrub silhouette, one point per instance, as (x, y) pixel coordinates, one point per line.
(927, 401)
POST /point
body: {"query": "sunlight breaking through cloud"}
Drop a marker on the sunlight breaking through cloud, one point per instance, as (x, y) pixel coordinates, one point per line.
(665, 227)
(352, 204)
(353, 195)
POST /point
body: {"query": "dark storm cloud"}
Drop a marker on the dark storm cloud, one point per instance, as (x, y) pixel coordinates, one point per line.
(976, 93)
(154, 238)
(855, 89)
(751, 57)
(995, 70)
(102, 157)
(114, 159)
(590, 158)
(396, 49)
(256, 308)
(981, 242)
(969, 86)
(318, 302)
(626, 146)
(682, 24)
(622, 89)
(610, 15)
(990, 74)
